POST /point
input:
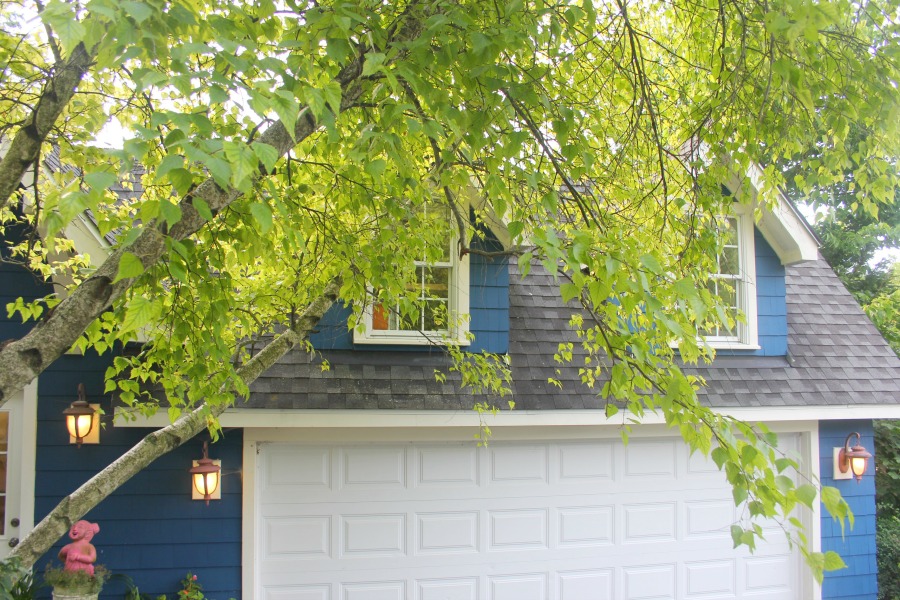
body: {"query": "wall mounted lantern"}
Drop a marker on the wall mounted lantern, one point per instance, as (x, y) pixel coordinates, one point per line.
(851, 462)
(205, 475)
(82, 420)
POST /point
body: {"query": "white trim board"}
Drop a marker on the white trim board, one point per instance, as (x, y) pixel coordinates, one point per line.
(251, 417)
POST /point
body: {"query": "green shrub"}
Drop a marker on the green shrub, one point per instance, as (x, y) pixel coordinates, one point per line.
(16, 582)
(888, 540)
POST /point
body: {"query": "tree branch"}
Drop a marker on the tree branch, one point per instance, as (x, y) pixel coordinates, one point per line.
(26, 145)
(24, 359)
(77, 504)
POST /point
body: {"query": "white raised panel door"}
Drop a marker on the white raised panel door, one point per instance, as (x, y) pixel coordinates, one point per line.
(17, 427)
(557, 520)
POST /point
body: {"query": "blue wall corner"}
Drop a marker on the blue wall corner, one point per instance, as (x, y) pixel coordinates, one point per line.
(150, 529)
(857, 545)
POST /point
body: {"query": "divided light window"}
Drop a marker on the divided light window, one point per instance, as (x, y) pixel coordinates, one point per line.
(726, 282)
(440, 292)
(734, 283)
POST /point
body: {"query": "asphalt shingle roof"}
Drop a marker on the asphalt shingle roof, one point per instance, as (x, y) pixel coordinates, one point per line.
(836, 357)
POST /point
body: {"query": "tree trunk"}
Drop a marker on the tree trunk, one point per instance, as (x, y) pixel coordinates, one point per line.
(74, 506)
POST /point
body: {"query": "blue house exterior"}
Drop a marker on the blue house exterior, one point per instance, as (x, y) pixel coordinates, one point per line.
(817, 356)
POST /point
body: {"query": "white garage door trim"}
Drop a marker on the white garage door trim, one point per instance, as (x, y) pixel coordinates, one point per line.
(808, 448)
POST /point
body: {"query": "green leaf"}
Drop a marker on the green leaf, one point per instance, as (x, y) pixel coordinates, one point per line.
(244, 165)
(139, 11)
(170, 162)
(101, 181)
(569, 291)
(833, 561)
(130, 266)
(202, 208)
(170, 212)
(139, 313)
(181, 180)
(263, 215)
(719, 456)
(267, 155)
(61, 17)
(374, 63)
(217, 95)
(651, 264)
(376, 168)
(221, 171)
(806, 494)
(287, 108)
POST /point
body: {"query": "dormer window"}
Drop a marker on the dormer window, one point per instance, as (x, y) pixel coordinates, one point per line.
(734, 283)
(437, 306)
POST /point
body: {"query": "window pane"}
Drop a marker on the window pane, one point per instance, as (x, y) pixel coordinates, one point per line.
(380, 317)
(4, 431)
(437, 283)
(410, 322)
(435, 315)
(730, 261)
(438, 217)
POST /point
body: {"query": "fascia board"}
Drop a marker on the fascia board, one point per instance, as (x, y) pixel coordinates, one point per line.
(780, 224)
(324, 418)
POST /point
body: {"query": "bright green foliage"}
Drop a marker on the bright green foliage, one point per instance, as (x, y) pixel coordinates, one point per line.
(884, 311)
(887, 450)
(599, 133)
(888, 538)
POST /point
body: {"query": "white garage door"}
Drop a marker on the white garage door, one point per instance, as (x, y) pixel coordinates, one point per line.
(564, 520)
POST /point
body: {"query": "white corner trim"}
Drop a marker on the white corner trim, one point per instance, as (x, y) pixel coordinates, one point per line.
(781, 226)
(29, 457)
(449, 419)
(248, 519)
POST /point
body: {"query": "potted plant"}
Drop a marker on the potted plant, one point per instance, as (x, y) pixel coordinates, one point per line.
(75, 585)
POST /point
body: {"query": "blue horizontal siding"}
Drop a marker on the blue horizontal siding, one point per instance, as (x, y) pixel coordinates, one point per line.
(857, 546)
(150, 529)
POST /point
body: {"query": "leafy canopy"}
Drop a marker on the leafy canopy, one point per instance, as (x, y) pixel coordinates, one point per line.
(598, 133)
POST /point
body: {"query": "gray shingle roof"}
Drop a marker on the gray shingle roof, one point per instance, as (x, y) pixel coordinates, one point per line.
(836, 356)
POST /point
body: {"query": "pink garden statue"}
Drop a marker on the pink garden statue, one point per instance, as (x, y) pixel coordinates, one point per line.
(80, 555)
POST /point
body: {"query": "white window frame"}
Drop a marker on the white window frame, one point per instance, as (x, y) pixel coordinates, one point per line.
(747, 337)
(458, 311)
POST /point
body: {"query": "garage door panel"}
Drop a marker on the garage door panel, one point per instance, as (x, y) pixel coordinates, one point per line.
(585, 526)
(569, 520)
(448, 532)
(519, 464)
(710, 578)
(569, 579)
(593, 584)
(373, 467)
(298, 536)
(448, 466)
(649, 582)
(451, 588)
(586, 461)
(709, 518)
